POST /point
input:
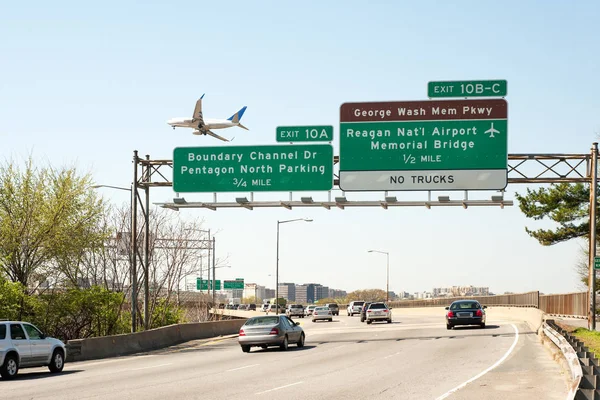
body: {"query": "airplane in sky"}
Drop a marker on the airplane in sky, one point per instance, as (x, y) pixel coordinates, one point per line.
(491, 131)
(203, 126)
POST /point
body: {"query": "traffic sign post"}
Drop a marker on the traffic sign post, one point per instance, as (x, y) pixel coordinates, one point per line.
(489, 88)
(203, 284)
(424, 145)
(316, 133)
(253, 168)
(237, 284)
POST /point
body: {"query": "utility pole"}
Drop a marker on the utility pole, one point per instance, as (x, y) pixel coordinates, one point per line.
(133, 245)
(593, 205)
(213, 266)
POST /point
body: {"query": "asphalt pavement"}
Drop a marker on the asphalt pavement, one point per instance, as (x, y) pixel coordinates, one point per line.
(415, 357)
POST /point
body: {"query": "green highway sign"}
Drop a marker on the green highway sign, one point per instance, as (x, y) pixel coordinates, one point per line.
(490, 88)
(316, 133)
(596, 262)
(237, 284)
(264, 168)
(203, 284)
(424, 145)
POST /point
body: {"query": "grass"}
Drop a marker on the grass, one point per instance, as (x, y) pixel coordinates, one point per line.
(590, 338)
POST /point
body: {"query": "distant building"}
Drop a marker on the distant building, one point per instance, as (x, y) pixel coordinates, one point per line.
(269, 294)
(302, 294)
(310, 292)
(460, 291)
(321, 292)
(336, 293)
(287, 291)
(254, 290)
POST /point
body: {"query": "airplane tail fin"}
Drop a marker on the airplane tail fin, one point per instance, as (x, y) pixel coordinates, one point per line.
(237, 116)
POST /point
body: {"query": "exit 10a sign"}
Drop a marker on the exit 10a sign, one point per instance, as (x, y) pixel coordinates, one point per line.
(313, 133)
(490, 88)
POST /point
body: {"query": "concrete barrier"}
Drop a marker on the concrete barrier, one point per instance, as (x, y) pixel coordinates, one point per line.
(120, 345)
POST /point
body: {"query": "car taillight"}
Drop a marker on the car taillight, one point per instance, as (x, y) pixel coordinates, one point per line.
(479, 313)
(450, 314)
(274, 331)
(368, 310)
(242, 333)
(385, 310)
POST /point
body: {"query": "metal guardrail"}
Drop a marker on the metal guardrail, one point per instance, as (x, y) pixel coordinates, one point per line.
(584, 370)
(550, 330)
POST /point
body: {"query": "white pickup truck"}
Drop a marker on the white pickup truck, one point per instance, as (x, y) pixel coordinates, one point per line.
(355, 307)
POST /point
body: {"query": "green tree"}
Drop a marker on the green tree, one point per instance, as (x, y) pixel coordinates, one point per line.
(366, 295)
(325, 300)
(566, 204)
(48, 217)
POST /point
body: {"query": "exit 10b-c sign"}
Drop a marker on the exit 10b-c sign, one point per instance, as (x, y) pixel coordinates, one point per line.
(490, 88)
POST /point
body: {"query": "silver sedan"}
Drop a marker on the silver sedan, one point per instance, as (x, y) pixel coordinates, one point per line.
(322, 313)
(271, 330)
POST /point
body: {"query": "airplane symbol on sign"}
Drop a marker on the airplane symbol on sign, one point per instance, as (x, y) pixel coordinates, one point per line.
(491, 131)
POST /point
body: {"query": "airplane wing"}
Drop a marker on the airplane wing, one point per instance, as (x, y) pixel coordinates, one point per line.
(197, 116)
(211, 133)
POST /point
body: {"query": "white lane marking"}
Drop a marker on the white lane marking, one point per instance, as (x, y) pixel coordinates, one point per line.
(500, 361)
(281, 387)
(90, 364)
(391, 355)
(247, 366)
(152, 366)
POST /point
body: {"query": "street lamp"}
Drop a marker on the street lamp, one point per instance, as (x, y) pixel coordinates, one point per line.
(132, 260)
(387, 292)
(112, 187)
(277, 265)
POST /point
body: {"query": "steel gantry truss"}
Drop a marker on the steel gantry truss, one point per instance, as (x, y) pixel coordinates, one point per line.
(522, 168)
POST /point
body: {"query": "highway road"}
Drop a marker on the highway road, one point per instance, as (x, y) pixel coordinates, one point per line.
(413, 358)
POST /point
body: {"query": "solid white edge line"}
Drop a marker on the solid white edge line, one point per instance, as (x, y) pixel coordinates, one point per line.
(247, 366)
(500, 361)
(280, 387)
(151, 366)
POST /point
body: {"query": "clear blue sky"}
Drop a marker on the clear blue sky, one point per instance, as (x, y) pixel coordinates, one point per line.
(88, 84)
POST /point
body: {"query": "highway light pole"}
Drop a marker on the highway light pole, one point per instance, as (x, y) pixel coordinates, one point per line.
(277, 264)
(132, 255)
(387, 286)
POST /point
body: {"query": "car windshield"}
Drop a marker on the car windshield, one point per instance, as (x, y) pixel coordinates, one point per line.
(296, 306)
(262, 321)
(359, 303)
(377, 305)
(465, 305)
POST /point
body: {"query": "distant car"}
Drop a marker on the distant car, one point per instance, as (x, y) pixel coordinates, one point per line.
(295, 310)
(264, 307)
(465, 312)
(222, 306)
(272, 308)
(243, 307)
(378, 311)
(355, 307)
(322, 313)
(22, 345)
(363, 312)
(251, 307)
(335, 309)
(309, 310)
(270, 330)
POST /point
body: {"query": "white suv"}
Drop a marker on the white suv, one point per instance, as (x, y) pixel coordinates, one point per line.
(378, 312)
(22, 345)
(355, 307)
